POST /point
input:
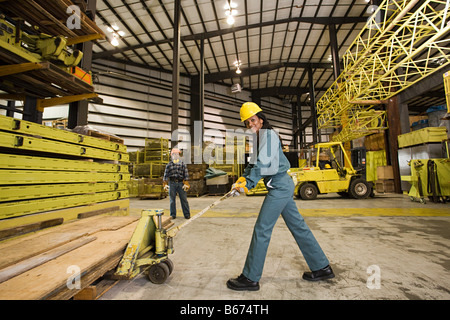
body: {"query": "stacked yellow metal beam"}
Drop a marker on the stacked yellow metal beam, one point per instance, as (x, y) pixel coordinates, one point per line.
(148, 169)
(43, 169)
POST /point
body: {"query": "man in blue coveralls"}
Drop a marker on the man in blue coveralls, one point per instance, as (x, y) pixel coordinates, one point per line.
(272, 165)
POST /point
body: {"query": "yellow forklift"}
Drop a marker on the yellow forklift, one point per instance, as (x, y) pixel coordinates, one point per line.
(328, 175)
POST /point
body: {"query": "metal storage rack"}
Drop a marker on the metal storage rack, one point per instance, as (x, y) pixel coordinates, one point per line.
(31, 78)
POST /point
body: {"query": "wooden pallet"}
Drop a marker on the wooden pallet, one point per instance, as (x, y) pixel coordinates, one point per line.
(95, 290)
(97, 134)
(44, 265)
(158, 196)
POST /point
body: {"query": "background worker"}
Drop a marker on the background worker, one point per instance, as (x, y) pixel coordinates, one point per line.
(175, 181)
(272, 165)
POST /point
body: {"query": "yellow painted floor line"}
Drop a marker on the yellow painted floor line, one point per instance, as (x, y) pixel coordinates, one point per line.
(377, 212)
(334, 212)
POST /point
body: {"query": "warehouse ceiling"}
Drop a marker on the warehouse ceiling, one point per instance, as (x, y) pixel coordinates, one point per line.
(276, 41)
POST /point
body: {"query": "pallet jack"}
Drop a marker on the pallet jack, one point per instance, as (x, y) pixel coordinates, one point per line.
(151, 244)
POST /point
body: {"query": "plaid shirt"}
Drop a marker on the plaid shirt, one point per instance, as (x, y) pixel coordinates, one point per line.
(176, 171)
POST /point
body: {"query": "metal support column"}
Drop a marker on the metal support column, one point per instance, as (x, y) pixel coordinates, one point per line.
(197, 106)
(78, 111)
(300, 121)
(313, 105)
(11, 107)
(391, 137)
(30, 112)
(202, 83)
(176, 68)
(334, 51)
(198, 93)
(295, 125)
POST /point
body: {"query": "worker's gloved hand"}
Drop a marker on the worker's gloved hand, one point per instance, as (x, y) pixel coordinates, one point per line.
(166, 186)
(240, 185)
(186, 186)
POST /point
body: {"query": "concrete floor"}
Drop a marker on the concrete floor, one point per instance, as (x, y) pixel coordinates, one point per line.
(386, 247)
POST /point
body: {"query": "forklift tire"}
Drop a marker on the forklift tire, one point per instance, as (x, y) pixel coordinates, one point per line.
(359, 189)
(308, 191)
(169, 264)
(158, 273)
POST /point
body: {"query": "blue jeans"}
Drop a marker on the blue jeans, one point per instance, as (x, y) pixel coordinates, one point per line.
(174, 188)
(279, 201)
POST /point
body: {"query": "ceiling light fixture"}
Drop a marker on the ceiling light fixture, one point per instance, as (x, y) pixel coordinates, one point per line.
(114, 41)
(230, 12)
(238, 64)
(230, 5)
(230, 20)
(116, 33)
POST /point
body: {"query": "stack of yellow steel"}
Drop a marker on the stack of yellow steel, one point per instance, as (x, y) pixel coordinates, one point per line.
(43, 169)
(425, 135)
(148, 169)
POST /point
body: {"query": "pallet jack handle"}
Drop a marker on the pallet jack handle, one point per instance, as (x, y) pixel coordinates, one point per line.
(172, 232)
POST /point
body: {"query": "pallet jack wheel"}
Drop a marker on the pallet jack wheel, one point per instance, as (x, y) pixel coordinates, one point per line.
(169, 264)
(158, 273)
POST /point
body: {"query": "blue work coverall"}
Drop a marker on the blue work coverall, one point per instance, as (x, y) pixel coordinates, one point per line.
(272, 165)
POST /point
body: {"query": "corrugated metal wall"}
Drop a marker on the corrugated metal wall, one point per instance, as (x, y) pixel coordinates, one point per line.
(137, 103)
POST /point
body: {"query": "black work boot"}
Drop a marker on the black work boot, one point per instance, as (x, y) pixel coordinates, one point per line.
(321, 274)
(242, 283)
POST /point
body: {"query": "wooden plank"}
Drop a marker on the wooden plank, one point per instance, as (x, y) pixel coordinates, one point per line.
(50, 278)
(97, 212)
(18, 68)
(89, 293)
(21, 267)
(104, 287)
(46, 240)
(89, 276)
(15, 231)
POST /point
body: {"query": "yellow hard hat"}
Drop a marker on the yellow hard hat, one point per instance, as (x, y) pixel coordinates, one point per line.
(248, 110)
